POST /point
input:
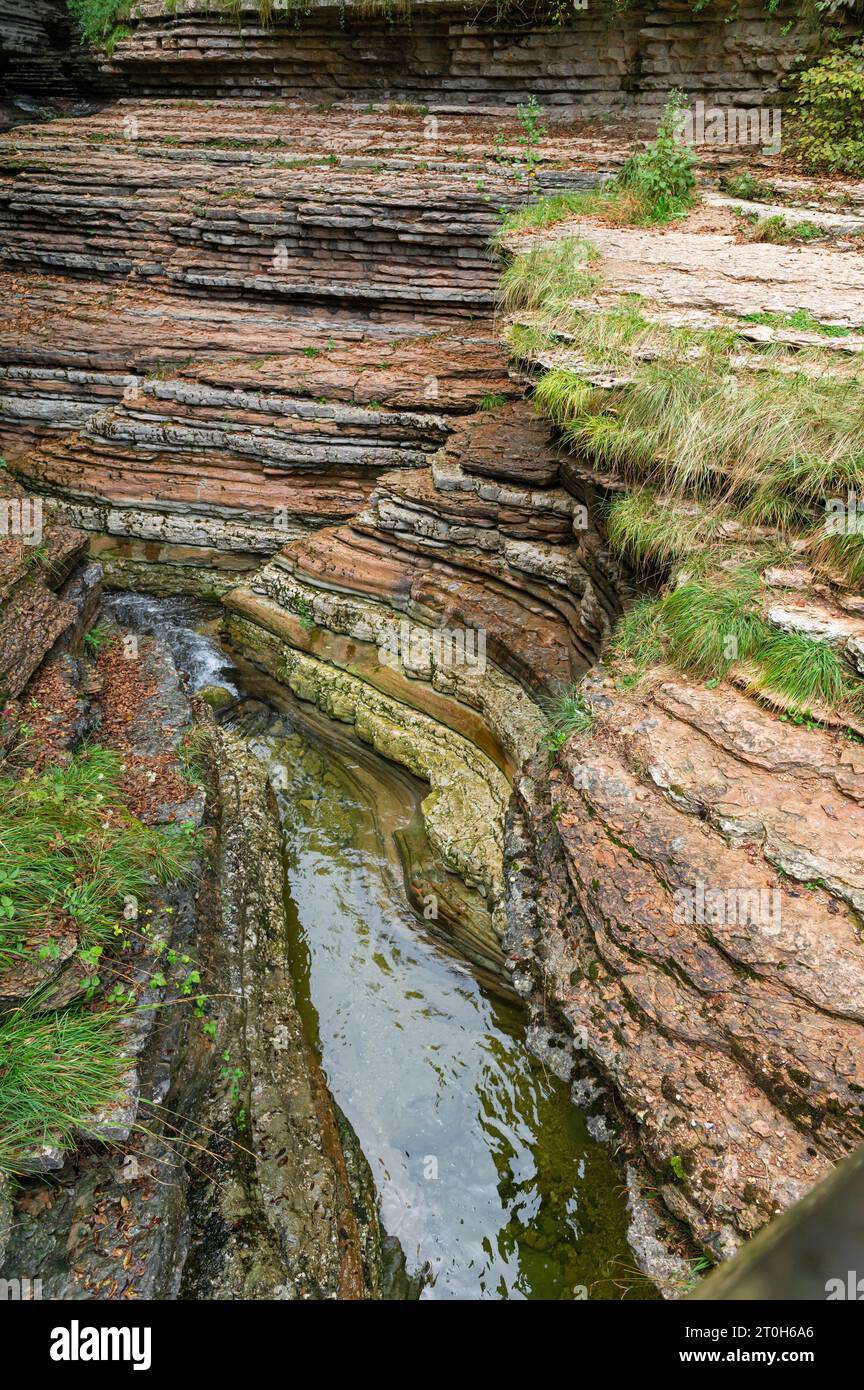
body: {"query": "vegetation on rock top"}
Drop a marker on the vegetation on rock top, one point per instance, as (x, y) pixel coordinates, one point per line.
(729, 451)
(74, 859)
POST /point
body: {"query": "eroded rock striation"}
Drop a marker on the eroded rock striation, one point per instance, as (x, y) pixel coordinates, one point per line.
(251, 349)
(693, 882)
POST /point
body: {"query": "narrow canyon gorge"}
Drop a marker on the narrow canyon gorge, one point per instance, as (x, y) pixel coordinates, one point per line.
(270, 370)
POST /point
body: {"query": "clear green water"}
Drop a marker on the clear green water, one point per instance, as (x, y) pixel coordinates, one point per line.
(483, 1166)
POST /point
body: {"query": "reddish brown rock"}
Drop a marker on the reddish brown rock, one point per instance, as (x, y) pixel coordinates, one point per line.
(723, 1000)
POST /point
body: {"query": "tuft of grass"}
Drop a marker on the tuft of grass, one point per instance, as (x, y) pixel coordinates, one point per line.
(545, 212)
(770, 442)
(548, 279)
(842, 554)
(780, 232)
(649, 533)
(69, 848)
(638, 638)
(745, 185)
(802, 320)
(563, 396)
(56, 1070)
(568, 714)
(712, 623)
(803, 671)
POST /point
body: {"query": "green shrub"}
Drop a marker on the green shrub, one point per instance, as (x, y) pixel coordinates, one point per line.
(662, 175)
(97, 19)
(828, 113)
(656, 184)
(777, 230)
(746, 185)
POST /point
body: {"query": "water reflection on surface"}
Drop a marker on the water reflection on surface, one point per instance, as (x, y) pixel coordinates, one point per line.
(483, 1166)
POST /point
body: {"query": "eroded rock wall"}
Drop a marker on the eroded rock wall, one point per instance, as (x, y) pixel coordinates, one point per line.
(251, 347)
(41, 57)
(595, 61)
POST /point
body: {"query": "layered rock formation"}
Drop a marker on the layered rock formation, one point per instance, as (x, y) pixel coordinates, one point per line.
(41, 58)
(284, 326)
(693, 883)
(46, 589)
(437, 51)
(330, 337)
(252, 351)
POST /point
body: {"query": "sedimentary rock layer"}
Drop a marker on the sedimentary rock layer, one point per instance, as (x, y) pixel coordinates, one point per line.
(698, 875)
(41, 597)
(257, 345)
(453, 53)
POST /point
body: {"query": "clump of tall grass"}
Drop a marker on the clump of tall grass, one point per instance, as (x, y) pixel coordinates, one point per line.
(569, 713)
(840, 554)
(56, 1070)
(711, 624)
(548, 211)
(548, 279)
(651, 533)
(638, 638)
(69, 849)
(773, 443)
(804, 671)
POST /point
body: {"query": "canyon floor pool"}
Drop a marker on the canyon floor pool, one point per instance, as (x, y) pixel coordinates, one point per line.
(483, 1166)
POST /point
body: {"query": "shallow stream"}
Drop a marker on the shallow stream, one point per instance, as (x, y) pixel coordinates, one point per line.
(484, 1168)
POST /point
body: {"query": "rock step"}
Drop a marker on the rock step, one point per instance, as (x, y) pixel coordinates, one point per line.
(712, 271)
(510, 562)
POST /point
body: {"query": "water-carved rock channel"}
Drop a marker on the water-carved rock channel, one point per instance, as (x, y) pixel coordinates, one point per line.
(483, 1167)
(284, 359)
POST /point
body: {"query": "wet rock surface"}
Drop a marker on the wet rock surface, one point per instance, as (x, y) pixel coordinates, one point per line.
(253, 370)
(278, 1212)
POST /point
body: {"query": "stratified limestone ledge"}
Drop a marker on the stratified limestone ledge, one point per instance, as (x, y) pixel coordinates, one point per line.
(465, 808)
(409, 647)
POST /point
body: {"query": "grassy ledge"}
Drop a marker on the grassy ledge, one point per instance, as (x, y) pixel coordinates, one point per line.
(725, 456)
